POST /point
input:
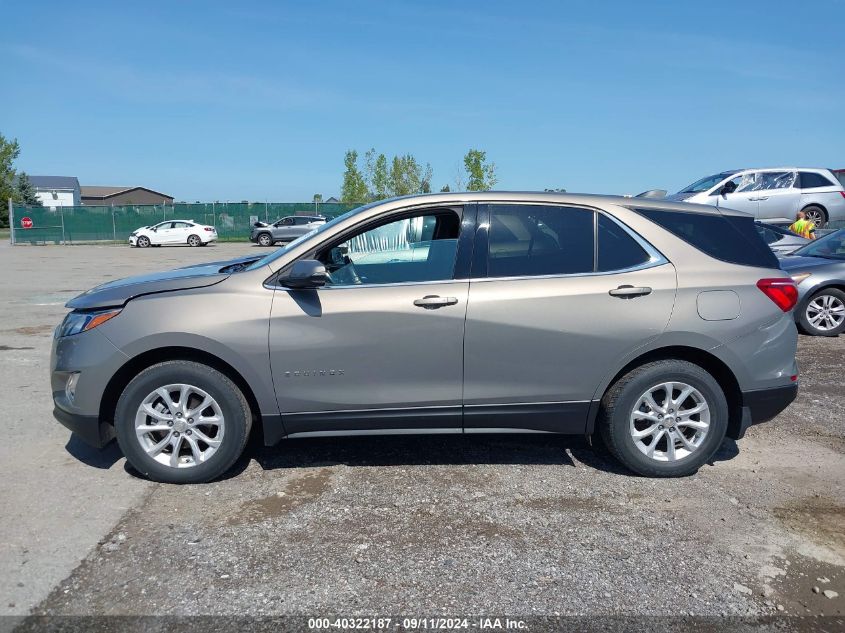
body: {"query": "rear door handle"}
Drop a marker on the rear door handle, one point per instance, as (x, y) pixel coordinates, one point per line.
(627, 292)
(432, 302)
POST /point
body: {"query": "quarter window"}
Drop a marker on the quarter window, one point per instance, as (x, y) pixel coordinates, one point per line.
(810, 179)
(617, 250)
(529, 240)
(414, 249)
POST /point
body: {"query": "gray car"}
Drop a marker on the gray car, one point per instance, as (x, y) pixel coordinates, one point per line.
(662, 326)
(819, 270)
(284, 230)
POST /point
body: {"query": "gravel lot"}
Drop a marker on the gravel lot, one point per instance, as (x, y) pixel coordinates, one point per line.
(427, 525)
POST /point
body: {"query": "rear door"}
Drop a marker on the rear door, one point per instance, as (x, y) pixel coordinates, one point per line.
(551, 309)
(778, 196)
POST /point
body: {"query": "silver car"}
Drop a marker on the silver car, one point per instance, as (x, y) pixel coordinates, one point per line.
(772, 194)
(819, 270)
(284, 230)
(662, 326)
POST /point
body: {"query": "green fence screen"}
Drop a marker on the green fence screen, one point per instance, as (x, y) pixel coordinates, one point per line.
(69, 225)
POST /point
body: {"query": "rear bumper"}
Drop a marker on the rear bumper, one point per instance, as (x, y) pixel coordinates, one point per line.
(761, 406)
(87, 427)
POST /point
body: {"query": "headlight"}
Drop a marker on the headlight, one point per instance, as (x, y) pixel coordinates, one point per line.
(800, 277)
(76, 322)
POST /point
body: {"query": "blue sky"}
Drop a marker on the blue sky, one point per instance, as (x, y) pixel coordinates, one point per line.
(259, 100)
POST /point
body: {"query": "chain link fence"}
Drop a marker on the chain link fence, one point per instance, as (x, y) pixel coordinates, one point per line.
(80, 225)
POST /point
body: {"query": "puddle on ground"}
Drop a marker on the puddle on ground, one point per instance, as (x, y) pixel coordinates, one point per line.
(296, 493)
(794, 589)
(33, 330)
(821, 520)
(7, 348)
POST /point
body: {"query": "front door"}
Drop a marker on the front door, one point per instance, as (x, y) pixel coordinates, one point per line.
(744, 197)
(381, 346)
(552, 310)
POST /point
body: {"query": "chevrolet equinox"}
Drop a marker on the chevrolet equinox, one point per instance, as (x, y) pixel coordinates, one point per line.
(663, 326)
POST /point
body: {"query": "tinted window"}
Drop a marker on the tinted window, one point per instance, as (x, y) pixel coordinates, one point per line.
(415, 249)
(831, 246)
(539, 240)
(777, 180)
(705, 183)
(617, 249)
(769, 236)
(810, 180)
(730, 238)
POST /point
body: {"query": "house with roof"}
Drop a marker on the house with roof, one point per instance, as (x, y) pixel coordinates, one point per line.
(116, 196)
(57, 191)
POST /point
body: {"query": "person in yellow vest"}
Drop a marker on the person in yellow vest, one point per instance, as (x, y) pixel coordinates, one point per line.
(803, 227)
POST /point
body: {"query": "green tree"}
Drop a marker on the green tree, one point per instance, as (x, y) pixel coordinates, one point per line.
(318, 198)
(481, 175)
(380, 181)
(9, 151)
(425, 180)
(25, 191)
(354, 187)
(445, 189)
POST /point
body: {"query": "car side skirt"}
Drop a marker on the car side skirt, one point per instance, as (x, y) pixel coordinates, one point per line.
(525, 417)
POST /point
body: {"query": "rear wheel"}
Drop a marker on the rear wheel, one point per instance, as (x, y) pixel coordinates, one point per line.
(816, 215)
(194, 240)
(664, 419)
(265, 239)
(182, 422)
(824, 314)
(143, 241)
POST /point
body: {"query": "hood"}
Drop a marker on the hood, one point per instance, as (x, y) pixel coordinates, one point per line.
(117, 293)
(680, 196)
(797, 262)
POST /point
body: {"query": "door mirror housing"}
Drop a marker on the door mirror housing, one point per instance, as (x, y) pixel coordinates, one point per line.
(306, 273)
(728, 187)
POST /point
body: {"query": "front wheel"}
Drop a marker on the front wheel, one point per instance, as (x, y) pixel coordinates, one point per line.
(664, 419)
(194, 240)
(143, 241)
(265, 239)
(182, 422)
(824, 314)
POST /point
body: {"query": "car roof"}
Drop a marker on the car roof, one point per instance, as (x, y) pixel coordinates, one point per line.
(582, 199)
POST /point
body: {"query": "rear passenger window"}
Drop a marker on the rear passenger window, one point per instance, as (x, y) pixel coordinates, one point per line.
(730, 238)
(810, 180)
(617, 250)
(527, 240)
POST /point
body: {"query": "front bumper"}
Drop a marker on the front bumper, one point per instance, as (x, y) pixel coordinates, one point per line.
(133, 240)
(762, 405)
(88, 427)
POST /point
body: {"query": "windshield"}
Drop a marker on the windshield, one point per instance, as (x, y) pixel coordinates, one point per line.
(830, 246)
(323, 227)
(706, 183)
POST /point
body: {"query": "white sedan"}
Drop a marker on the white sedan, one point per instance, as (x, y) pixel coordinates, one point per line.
(173, 232)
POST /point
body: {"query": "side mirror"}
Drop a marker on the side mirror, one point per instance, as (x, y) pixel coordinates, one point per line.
(728, 187)
(306, 273)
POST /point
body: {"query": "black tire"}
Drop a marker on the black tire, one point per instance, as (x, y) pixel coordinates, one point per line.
(836, 297)
(265, 239)
(816, 215)
(618, 404)
(194, 240)
(231, 401)
(143, 241)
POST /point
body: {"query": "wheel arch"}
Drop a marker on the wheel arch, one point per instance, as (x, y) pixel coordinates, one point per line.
(712, 364)
(820, 206)
(123, 376)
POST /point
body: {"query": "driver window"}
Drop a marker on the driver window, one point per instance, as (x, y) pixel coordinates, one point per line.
(747, 182)
(414, 249)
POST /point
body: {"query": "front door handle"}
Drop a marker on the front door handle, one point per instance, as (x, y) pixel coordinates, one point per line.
(432, 302)
(628, 292)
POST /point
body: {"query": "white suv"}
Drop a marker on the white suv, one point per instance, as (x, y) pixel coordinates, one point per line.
(772, 194)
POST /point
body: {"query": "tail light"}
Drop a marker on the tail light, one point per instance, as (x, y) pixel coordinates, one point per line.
(781, 290)
(842, 193)
(208, 228)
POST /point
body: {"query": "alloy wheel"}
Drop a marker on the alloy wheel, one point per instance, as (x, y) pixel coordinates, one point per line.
(193, 240)
(265, 240)
(825, 312)
(816, 216)
(179, 425)
(670, 421)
